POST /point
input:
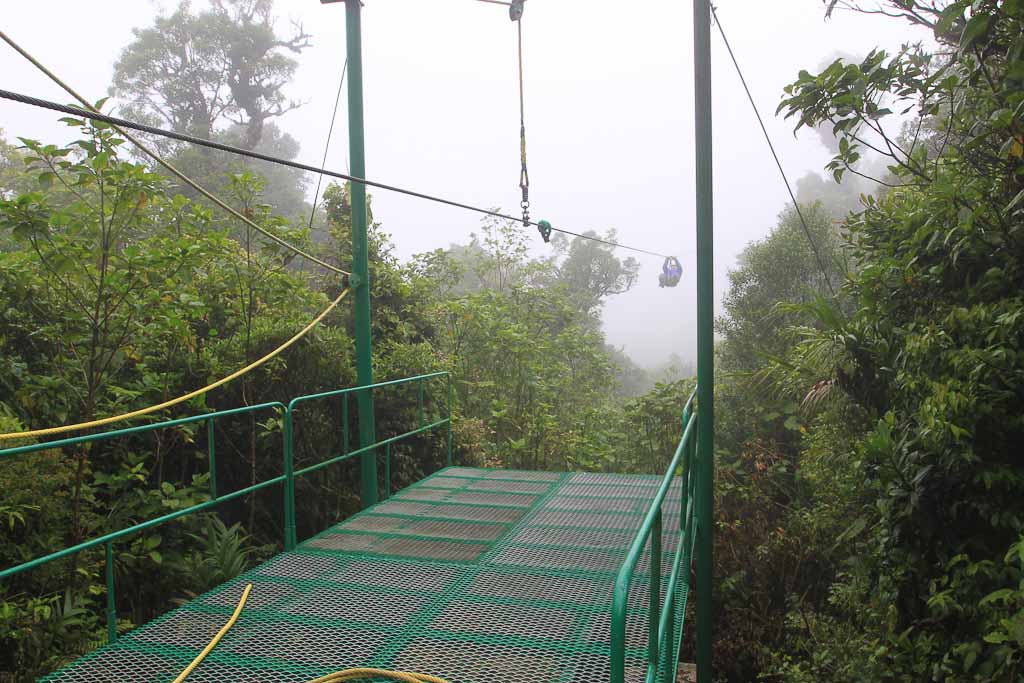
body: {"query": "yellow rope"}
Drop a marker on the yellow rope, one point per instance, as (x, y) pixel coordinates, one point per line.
(168, 165)
(216, 639)
(360, 674)
(181, 399)
(366, 674)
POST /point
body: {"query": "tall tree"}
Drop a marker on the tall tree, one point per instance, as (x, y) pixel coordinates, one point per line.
(592, 272)
(932, 353)
(219, 74)
(199, 71)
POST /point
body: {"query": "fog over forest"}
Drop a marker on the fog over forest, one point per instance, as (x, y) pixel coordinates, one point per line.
(442, 117)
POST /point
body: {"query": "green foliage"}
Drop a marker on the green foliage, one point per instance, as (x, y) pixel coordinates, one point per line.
(912, 382)
(45, 633)
(130, 295)
(219, 554)
(523, 339)
(126, 296)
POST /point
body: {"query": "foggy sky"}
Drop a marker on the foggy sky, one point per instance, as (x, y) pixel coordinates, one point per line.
(609, 117)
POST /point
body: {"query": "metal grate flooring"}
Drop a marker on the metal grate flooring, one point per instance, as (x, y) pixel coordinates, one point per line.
(474, 575)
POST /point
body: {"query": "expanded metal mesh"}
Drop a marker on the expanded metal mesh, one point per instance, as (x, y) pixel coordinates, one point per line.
(474, 575)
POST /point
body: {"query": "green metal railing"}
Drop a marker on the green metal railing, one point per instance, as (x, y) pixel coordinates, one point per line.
(663, 633)
(290, 473)
(287, 478)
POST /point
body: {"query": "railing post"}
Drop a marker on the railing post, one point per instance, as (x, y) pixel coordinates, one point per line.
(211, 451)
(289, 480)
(688, 465)
(387, 470)
(705, 333)
(344, 424)
(111, 598)
(654, 601)
(449, 434)
(618, 630)
(419, 404)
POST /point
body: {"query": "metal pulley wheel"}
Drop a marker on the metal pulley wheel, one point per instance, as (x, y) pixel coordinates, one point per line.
(515, 10)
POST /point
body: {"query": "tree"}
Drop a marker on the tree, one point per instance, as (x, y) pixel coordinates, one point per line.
(778, 270)
(759, 435)
(930, 354)
(12, 177)
(592, 272)
(194, 72)
(122, 296)
(218, 74)
(98, 213)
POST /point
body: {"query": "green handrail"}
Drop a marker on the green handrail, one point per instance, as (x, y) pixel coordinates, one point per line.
(287, 478)
(102, 436)
(661, 618)
(108, 540)
(290, 473)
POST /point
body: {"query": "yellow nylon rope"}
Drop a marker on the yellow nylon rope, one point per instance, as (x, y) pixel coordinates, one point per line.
(216, 639)
(365, 674)
(360, 674)
(166, 164)
(181, 399)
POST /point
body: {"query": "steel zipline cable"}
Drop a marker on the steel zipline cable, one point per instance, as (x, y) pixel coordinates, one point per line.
(789, 188)
(72, 110)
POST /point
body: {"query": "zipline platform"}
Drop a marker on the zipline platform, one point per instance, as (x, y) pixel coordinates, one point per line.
(473, 575)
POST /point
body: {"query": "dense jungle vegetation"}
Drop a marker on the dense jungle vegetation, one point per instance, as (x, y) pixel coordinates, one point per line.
(870, 522)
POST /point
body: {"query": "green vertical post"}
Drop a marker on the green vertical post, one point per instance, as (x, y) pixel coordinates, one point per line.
(705, 334)
(111, 599)
(419, 400)
(387, 470)
(211, 453)
(360, 278)
(290, 533)
(344, 424)
(654, 595)
(449, 425)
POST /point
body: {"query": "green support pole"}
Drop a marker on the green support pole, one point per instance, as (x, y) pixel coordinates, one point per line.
(211, 452)
(111, 600)
(360, 278)
(654, 595)
(290, 532)
(387, 470)
(449, 426)
(705, 334)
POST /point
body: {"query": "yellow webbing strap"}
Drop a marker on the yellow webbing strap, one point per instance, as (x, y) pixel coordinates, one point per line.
(360, 674)
(181, 399)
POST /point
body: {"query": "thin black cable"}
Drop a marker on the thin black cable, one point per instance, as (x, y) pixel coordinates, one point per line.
(796, 204)
(183, 137)
(327, 144)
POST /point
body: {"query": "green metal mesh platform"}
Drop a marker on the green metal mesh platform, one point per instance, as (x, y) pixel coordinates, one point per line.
(474, 575)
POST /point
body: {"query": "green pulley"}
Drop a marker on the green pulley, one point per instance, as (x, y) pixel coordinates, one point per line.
(544, 228)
